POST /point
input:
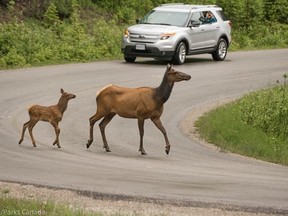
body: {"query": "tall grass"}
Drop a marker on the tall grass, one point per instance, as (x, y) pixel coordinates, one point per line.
(255, 125)
(267, 110)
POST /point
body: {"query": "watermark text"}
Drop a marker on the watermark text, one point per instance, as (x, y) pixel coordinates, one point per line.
(22, 212)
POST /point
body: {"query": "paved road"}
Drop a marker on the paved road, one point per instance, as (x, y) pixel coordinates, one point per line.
(191, 174)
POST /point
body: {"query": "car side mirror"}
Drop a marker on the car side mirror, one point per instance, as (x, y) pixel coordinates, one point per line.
(138, 20)
(194, 23)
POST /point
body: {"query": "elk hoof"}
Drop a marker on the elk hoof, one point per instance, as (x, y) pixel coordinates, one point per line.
(167, 150)
(88, 143)
(20, 141)
(108, 150)
(143, 152)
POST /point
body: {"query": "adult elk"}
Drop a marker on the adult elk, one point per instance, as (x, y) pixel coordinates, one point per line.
(52, 114)
(141, 103)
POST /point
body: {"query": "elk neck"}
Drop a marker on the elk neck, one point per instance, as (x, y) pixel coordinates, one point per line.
(165, 89)
(62, 104)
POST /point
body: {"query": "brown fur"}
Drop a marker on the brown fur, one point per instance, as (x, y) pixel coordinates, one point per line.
(141, 103)
(52, 114)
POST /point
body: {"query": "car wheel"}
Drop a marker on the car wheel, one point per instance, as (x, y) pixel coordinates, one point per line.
(180, 54)
(130, 59)
(220, 53)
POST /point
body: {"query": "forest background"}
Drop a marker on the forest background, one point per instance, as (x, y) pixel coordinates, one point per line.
(41, 32)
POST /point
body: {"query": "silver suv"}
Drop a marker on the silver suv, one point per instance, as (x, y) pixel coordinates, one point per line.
(173, 31)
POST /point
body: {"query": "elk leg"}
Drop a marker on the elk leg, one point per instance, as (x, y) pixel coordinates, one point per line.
(23, 131)
(30, 128)
(92, 121)
(57, 132)
(159, 125)
(141, 131)
(102, 126)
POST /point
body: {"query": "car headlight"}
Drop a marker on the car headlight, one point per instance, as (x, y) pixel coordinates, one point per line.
(126, 33)
(165, 36)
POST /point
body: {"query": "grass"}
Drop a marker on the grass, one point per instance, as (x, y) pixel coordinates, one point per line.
(11, 206)
(226, 128)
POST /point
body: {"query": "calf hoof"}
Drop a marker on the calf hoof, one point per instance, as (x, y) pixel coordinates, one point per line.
(167, 150)
(20, 141)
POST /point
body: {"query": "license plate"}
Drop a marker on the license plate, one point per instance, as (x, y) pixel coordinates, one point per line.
(140, 47)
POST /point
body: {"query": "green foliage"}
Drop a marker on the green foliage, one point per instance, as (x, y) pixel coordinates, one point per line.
(267, 35)
(88, 30)
(225, 127)
(276, 10)
(51, 17)
(268, 110)
(54, 41)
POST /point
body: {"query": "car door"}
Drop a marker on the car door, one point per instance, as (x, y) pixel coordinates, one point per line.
(211, 31)
(197, 38)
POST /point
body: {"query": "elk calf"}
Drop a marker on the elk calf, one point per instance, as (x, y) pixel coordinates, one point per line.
(52, 114)
(140, 103)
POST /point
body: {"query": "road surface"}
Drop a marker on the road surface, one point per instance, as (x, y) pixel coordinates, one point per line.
(192, 174)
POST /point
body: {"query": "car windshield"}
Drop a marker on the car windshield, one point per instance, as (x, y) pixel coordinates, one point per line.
(171, 18)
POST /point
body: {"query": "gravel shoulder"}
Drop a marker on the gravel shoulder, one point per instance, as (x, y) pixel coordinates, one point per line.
(108, 207)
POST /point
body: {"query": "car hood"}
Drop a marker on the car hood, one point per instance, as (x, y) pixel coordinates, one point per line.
(152, 29)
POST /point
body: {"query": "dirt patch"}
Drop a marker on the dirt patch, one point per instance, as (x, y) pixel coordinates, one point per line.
(187, 125)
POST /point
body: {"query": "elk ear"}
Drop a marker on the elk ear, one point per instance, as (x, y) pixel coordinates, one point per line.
(169, 66)
(62, 91)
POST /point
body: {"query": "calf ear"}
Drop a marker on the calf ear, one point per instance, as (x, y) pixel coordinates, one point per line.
(62, 91)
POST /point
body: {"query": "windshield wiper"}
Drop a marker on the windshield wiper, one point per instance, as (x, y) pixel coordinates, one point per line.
(155, 23)
(163, 24)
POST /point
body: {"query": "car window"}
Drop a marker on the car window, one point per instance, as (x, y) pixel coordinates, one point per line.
(172, 18)
(196, 17)
(208, 17)
(222, 15)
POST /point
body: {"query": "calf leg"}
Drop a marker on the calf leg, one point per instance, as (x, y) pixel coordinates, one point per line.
(159, 125)
(102, 126)
(30, 128)
(57, 132)
(141, 131)
(23, 131)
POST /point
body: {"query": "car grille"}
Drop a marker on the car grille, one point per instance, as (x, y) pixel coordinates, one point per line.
(143, 38)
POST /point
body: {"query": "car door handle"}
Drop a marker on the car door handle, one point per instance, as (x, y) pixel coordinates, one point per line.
(203, 29)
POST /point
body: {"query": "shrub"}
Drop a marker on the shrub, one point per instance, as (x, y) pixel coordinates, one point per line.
(268, 110)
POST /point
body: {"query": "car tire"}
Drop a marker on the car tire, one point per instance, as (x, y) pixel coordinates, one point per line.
(129, 59)
(221, 51)
(180, 54)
